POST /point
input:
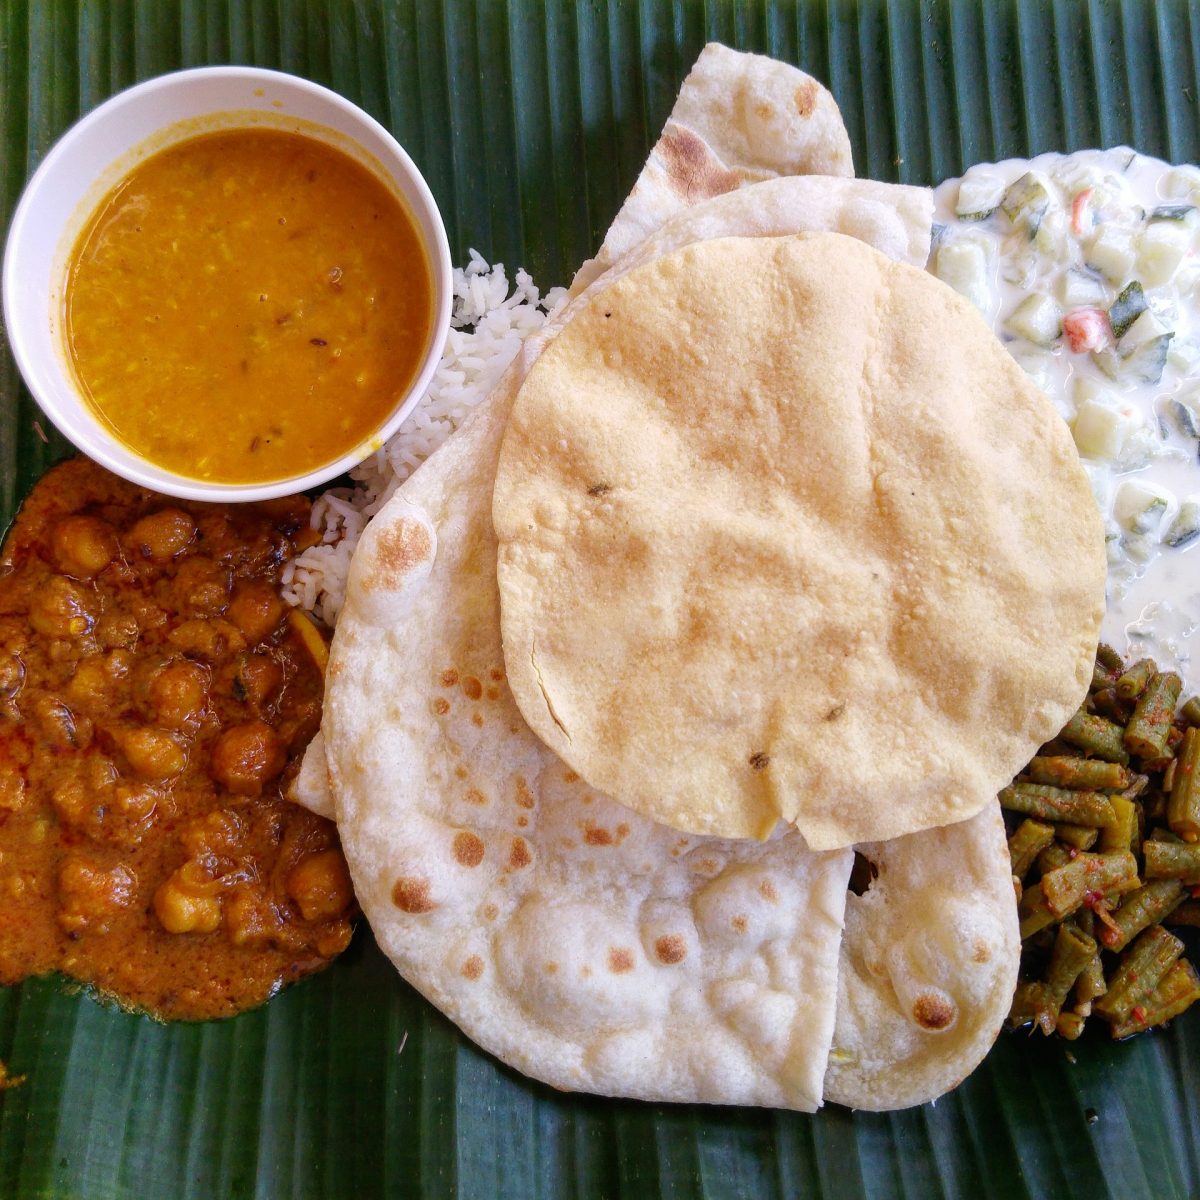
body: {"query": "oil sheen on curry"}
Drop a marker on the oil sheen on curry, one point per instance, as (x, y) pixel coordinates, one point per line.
(155, 697)
(247, 306)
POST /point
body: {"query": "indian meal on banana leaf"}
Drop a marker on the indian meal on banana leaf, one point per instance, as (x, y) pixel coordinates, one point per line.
(715, 715)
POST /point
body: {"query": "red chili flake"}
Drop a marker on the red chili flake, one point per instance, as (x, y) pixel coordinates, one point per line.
(1138, 1013)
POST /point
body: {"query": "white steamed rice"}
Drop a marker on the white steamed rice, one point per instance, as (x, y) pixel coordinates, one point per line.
(488, 326)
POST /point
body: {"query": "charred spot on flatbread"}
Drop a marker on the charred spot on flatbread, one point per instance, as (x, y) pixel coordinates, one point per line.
(398, 549)
(691, 168)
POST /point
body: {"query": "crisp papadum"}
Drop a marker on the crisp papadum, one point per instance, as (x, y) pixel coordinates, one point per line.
(784, 532)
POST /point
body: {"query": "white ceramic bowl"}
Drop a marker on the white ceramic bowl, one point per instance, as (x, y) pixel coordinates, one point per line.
(92, 157)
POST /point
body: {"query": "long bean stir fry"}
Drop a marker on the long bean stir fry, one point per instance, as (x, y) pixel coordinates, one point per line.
(1105, 844)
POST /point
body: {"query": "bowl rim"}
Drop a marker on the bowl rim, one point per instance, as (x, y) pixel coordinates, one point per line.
(87, 432)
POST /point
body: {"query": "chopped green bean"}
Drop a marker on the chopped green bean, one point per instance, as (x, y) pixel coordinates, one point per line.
(1057, 804)
(1067, 887)
(1034, 913)
(1106, 656)
(1028, 840)
(1183, 807)
(1070, 1025)
(1191, 711)
(1146, 906)
(1095, 734)
(1027, 1002)
(1179, 989)
(1172, 860)
(1054, 856)
(1131, 685)
(1146, 733)
(1087, 774)
(1160, 834)
(1072, 952)
(1137, 787)
(1147, 960)
(1122, 833)
(1102, 677)
(1188, 913)
(1078, 837)
(1107, 704)
(1091, 982)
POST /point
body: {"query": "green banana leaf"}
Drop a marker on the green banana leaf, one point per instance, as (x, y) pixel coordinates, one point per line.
(531, 120)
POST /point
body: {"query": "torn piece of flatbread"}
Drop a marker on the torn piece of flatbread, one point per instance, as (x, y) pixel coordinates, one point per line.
(739, 118)
(928, 965)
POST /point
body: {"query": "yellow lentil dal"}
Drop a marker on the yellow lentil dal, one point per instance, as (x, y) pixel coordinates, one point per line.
(247, 305)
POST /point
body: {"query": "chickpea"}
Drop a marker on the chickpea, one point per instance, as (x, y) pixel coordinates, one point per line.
(61, 728)
(12, 789)
(177, 694)
(214, 640)
(256, 609)
(61, 609)
(82, 789)
(320, 885)
(92, 896)
(118, 630)
(152, 754)
(200, 587)
(99, 681)
(246, 757)
(161, 535)
(83, 546)
(250, 918)
(12, 675)
(186, 903)
(257, 676)
(220, 832)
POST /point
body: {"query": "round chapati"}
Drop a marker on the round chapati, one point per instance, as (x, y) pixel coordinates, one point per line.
(584, 945)
(784, 532)
(581, 943)
(587, 946)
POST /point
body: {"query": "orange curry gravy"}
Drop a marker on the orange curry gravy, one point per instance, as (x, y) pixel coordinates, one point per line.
(248, 305)
(155, 697)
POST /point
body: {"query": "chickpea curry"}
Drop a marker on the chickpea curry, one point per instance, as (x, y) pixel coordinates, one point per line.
(156, 695)
(247, 306)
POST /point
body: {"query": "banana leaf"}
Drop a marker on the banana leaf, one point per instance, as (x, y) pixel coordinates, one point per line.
(530, 120)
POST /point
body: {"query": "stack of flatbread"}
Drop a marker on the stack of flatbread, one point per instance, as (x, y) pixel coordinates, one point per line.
(762, 551)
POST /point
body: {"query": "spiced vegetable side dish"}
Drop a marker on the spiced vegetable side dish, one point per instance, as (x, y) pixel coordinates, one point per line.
(155, 696)
(1105, 826)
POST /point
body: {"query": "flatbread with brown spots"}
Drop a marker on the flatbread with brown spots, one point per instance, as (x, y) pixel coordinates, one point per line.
(584, 945)
(928, 965)
(739, 118)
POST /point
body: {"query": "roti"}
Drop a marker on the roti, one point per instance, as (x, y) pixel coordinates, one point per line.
(785, 533)
(739, 119)
(582, 944)
(928, 965)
